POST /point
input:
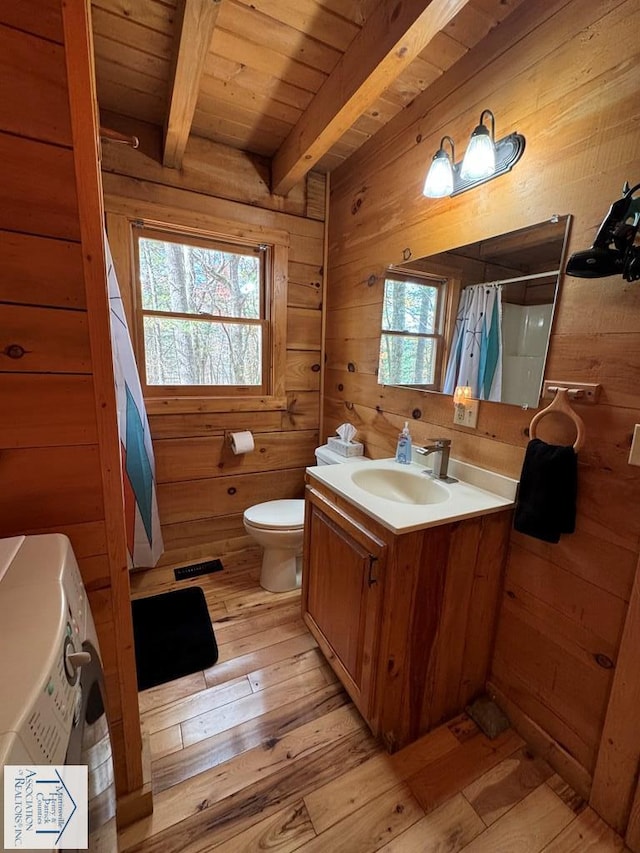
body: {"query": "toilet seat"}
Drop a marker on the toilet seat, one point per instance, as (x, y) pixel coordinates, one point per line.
(276, 515)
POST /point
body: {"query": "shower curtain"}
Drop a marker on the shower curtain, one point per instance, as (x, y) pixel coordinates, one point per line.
(144, 539)
(476, 352)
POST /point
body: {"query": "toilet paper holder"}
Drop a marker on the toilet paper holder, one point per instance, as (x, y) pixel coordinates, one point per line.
(240, 441)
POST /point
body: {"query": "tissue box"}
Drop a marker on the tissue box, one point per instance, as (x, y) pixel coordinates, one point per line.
(345, 448)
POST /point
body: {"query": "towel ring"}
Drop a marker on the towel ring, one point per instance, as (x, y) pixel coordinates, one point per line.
(560, 405)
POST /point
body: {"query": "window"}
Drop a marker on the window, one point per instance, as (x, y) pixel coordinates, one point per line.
(204, 312)
(411, 339)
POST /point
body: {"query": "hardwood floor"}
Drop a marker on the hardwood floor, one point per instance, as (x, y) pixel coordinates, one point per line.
(265, 751)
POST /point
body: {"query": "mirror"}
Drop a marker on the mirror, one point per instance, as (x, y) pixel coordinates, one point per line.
(477, 315)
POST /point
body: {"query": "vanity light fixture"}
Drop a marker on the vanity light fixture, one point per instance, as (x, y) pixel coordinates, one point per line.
(480, 156)
(439, 181)
(484, 160)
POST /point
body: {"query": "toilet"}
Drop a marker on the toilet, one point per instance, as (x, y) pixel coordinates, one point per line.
(279, 527)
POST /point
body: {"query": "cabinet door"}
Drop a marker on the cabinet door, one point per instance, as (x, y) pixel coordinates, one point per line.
(342, 579)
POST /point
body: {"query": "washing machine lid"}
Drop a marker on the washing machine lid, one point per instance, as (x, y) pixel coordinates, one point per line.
(281, 515)
(8, 550)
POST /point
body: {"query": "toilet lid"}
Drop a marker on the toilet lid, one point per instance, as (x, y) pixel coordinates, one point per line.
(276, 514)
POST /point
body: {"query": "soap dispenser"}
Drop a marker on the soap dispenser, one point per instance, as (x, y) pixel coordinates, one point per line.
(403, 450)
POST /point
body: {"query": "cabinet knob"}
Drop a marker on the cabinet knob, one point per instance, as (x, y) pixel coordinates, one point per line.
(372, 561)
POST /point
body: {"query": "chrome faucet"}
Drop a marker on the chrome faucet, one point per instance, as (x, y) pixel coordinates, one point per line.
(440, 448)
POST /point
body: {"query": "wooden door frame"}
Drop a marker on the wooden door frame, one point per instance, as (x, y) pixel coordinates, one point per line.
(126, 735)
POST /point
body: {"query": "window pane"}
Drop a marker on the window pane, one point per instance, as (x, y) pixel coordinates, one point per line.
(194, 352)
(409, 307)
(188, 279)
(406, 361)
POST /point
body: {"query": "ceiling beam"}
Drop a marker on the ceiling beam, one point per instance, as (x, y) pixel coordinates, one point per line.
(394, 35)
(194, 32)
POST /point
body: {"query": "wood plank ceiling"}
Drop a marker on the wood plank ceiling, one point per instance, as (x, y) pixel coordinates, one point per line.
(249, 73)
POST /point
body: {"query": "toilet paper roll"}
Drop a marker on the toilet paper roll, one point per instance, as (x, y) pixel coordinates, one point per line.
(242, 442)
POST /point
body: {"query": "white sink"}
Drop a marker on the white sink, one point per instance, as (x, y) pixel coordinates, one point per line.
(401, 485)
(404, 498)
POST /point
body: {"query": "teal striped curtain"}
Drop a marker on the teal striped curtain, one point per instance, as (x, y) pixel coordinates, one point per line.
(144, 539)
(476, 351)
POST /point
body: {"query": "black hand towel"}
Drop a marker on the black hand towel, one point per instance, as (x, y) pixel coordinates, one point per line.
(546, 505)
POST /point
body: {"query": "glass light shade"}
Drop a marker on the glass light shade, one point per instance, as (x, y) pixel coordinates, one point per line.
(480, 156)
(439, 182)
(461, 394)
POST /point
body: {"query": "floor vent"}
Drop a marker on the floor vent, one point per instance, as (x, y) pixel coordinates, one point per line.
(197, 569)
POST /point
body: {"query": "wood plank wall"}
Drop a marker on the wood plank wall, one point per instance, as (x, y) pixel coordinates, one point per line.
(53, 457)
(566, 77)
(203, 488)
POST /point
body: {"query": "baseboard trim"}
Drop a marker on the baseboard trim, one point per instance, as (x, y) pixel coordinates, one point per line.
(564, 764)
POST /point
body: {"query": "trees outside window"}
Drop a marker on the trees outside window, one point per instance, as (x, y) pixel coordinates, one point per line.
(203, 312)
(411, 337)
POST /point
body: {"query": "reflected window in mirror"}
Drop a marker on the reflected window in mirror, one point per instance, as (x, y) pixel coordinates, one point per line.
(495, 319)
(411, 341)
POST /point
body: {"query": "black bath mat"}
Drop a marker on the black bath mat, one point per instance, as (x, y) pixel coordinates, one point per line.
(197, 569)
(173, 636)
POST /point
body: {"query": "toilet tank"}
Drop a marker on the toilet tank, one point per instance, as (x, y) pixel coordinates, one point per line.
(326, 456)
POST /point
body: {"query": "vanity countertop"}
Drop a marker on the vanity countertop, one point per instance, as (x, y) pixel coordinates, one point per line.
(477, 492)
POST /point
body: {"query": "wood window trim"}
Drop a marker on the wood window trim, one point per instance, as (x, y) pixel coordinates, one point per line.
(275, 346)
(265, 251)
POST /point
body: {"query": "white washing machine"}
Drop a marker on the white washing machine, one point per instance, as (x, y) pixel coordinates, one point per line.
(51, 685)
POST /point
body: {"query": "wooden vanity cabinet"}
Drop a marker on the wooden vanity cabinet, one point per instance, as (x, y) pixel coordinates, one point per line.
(407, 621)
(341, 593)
